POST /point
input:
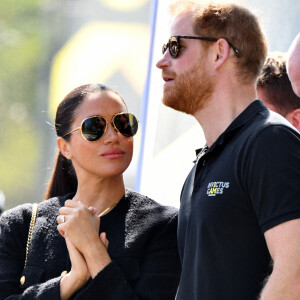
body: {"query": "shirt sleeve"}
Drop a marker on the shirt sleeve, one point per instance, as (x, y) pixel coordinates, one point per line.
(272, 175)
(14, 226)
(160, 272)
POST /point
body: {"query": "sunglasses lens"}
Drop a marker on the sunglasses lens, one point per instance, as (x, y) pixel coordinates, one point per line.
(93, 128)
(174, 46)
(127, 124)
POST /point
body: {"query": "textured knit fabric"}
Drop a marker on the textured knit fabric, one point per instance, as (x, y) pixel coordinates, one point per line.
(142, 245)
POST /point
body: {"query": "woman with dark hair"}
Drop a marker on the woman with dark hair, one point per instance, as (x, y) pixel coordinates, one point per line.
(92, 238)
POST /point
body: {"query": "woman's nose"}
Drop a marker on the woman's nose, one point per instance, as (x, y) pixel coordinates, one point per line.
(111, 134)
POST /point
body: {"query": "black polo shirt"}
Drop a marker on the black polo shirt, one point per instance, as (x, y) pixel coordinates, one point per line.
(247, 182)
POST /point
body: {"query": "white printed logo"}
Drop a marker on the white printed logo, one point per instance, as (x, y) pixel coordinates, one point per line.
(216, 188)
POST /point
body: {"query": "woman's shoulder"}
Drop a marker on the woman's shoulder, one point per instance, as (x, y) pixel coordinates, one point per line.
(146, 206)
(16, 215)
(51, 205)
(148, 219)
(22, 213)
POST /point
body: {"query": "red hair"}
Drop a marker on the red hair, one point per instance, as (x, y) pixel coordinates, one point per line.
(234, 23)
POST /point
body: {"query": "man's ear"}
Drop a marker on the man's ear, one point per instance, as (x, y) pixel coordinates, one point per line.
(63, 147)
(222, 51)
(294, 118)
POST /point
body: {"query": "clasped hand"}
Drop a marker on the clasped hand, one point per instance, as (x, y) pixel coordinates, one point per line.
(81, 232)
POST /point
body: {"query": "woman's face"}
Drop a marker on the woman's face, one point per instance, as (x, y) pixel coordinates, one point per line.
(112, 153)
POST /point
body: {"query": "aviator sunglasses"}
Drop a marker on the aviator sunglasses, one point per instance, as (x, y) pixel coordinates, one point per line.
(94, 127)
(174, 44)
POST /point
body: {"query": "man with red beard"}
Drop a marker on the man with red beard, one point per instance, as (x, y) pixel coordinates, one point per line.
(239, 219)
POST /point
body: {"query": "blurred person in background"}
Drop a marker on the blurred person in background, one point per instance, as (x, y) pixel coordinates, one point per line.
(293, 64)
(275, 90)
(93, 238)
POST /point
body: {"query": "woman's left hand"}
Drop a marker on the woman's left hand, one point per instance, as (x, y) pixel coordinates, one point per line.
(81, 225)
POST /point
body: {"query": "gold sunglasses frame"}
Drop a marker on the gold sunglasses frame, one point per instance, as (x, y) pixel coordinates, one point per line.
(107, 122)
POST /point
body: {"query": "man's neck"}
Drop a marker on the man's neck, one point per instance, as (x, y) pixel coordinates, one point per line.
(225, 104)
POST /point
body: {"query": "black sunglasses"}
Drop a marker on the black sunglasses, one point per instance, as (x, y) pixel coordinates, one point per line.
(94, 127)
(174, 44)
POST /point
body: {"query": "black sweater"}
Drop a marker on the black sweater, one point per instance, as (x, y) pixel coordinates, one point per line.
(142, 245)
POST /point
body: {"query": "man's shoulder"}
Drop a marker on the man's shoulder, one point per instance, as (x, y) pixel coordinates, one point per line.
(265, 134)
(271, 124)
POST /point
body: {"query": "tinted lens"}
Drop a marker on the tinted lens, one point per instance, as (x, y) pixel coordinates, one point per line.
(93, 128)
(126, 124)
(174, 46)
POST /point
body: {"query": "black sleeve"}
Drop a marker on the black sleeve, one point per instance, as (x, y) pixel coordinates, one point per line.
(160, 272)
(14, 226)
(273, 176)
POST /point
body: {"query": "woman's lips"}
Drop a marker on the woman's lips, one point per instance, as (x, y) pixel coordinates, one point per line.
(113, 153)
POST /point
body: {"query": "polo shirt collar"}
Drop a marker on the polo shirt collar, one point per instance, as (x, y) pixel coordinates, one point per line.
(246, 115)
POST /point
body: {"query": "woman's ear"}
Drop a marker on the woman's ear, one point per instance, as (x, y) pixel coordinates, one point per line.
(63, 147)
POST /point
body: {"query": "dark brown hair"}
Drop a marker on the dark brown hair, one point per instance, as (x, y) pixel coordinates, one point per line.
(63, 179)
(276, 85)
(234, 23)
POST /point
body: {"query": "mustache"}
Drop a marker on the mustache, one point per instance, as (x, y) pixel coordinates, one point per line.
(168, 74)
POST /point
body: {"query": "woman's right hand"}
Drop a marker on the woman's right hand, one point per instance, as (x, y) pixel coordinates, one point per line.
(79, 274)
(79, 269)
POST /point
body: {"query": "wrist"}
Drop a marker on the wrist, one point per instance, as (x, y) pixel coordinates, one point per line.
(69, 285)
(96, 258)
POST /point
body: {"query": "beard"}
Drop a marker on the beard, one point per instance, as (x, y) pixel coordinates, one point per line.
(191, 92)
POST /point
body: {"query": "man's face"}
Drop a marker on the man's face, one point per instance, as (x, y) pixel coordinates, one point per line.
(188, 82)
(293, 65)
(294, 72)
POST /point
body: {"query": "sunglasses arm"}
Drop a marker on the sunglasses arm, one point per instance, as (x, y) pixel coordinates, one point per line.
(71, 131)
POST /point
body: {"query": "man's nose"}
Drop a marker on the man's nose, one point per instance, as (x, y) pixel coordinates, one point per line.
(164, 61)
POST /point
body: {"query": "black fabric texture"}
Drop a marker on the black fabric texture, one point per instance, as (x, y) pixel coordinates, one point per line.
(244, 184)
(142, 245)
